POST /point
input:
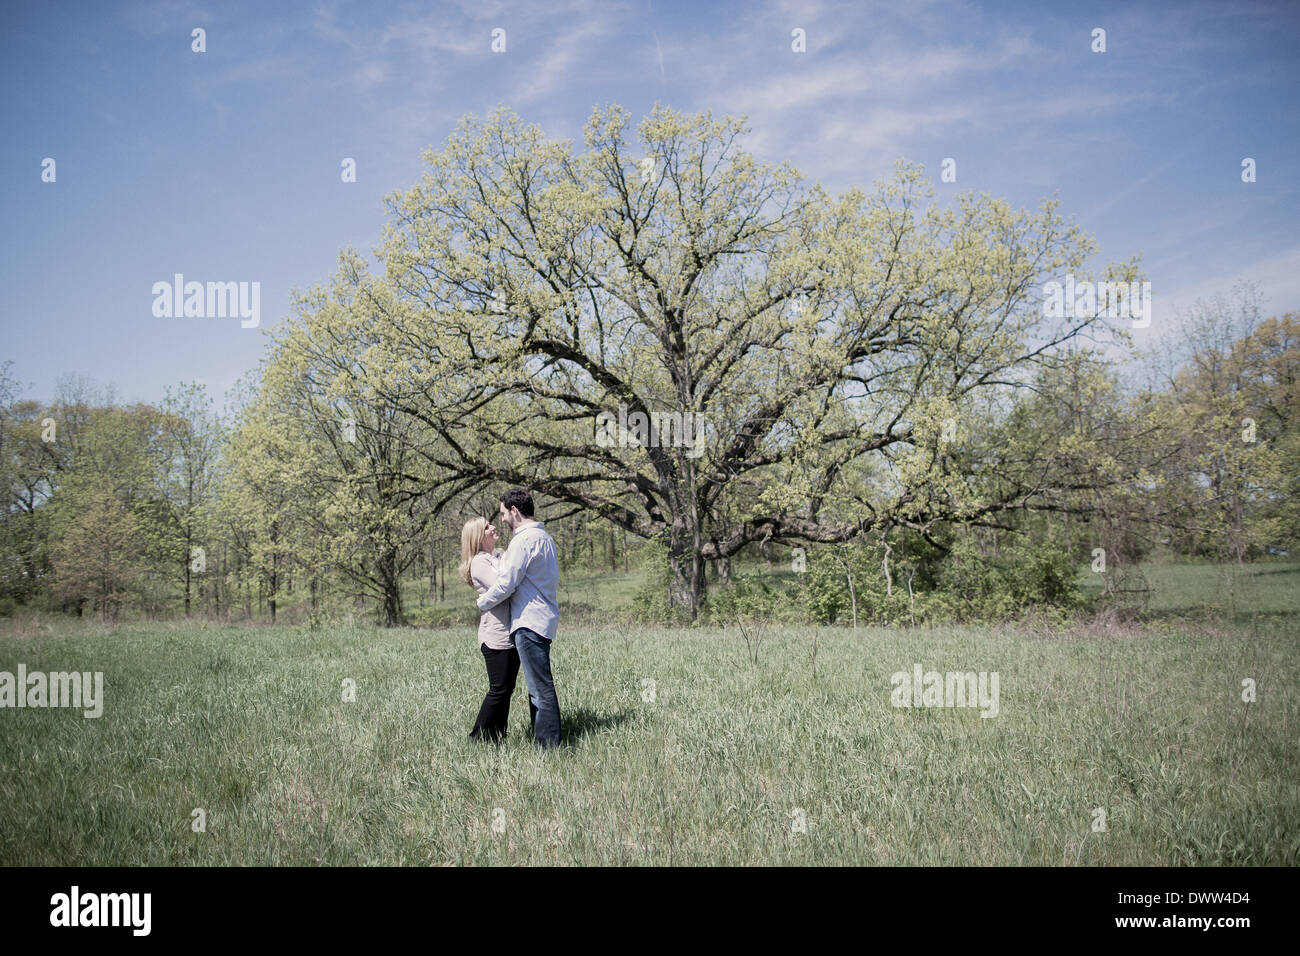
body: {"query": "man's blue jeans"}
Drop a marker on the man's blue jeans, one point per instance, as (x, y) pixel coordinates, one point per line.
(543, 705)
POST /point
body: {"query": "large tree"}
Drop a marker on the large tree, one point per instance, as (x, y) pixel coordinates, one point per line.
(817, 343)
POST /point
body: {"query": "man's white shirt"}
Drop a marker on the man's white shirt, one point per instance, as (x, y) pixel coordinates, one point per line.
(529, 575)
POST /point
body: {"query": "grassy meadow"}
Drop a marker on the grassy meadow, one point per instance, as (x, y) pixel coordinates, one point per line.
(1113, 745)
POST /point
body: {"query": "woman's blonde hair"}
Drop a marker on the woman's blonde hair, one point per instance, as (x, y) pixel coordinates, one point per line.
(471, 540)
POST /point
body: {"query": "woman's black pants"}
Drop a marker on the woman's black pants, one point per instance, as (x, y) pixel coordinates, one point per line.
(502, 669)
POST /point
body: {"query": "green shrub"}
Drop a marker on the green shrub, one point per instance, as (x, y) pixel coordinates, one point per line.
(961, 586)
(826, 592)
(754, 596)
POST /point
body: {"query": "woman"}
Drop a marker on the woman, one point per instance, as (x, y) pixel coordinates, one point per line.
(478, 569)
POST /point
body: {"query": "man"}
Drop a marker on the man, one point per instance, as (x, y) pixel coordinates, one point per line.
(529, 577)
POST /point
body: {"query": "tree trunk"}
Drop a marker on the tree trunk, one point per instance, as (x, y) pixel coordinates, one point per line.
(391, 587)
(686, 582)
(848, 574)
(889, 578)
(216, 586)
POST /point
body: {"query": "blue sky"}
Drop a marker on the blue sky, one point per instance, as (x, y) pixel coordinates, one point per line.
(224, 165)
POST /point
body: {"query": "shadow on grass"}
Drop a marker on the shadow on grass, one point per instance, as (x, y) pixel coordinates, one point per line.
(581, 721)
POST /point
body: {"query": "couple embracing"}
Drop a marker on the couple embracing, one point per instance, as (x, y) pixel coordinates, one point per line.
(517, 600)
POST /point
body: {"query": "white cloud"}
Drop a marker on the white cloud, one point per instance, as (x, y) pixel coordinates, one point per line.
(568, 57)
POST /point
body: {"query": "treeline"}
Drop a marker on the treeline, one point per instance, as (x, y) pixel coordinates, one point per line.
(170, 509)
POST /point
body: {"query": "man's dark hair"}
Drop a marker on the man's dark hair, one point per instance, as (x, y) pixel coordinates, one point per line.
(518, 498)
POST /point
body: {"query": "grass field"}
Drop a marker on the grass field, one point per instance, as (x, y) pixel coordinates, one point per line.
(1145, 724)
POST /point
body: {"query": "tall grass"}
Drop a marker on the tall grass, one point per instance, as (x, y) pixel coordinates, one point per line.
(1147, 726)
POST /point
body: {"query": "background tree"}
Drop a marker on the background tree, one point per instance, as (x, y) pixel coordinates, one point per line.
(1231, 393)
(27, 476)
(99, 557)
(107, 509)
(261, 491)
(192, 441)
(366, 493)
